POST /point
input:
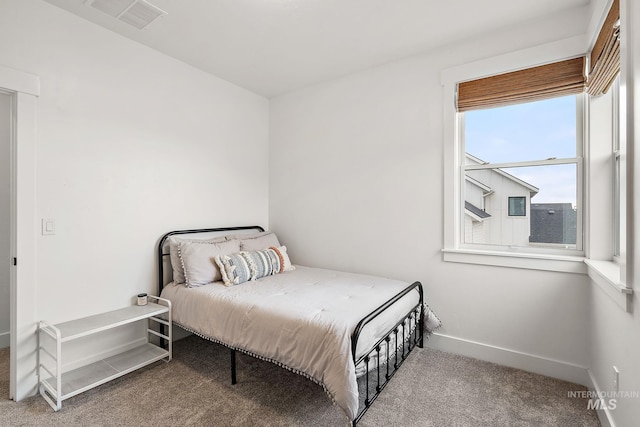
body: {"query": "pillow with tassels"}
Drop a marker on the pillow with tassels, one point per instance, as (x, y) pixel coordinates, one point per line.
(243, 266)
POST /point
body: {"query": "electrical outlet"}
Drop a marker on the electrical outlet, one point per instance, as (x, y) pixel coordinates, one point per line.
(616, 379)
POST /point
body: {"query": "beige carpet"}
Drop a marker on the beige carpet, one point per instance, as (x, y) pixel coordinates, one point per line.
(4, 374)
(432, 388)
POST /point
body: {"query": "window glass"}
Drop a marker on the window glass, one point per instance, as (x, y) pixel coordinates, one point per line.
(554, 183)
(521, 132)
(531, 199)
(517, 206)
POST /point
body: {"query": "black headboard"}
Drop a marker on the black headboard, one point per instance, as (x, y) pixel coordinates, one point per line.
(163, 239)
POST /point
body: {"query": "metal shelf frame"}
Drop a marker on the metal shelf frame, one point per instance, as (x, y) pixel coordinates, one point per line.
(59, 385)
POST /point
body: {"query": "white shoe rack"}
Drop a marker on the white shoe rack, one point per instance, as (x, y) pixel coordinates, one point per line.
(56, 385)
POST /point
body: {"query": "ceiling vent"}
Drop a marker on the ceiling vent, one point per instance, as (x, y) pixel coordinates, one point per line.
(138, 13)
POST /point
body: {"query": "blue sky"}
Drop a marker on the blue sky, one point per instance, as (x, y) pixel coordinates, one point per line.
(531, 131)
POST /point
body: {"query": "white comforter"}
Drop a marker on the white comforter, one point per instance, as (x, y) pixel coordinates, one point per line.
(302, 319)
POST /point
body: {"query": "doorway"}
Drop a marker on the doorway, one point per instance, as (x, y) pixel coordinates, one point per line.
(6, 104)
(5, 236)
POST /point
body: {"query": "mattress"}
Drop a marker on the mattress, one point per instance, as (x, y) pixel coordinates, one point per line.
(301, 319)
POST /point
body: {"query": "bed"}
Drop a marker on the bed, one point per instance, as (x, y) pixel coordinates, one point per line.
(347, 332)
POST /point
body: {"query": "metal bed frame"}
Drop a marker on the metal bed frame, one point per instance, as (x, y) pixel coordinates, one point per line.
(407, 333)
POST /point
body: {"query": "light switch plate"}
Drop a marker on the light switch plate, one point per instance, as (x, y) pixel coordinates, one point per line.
(48, 226)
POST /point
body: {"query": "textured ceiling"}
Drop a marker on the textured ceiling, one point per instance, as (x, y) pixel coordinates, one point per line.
(275, 46)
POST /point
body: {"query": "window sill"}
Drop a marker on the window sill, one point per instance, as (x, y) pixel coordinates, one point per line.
(606, 275)
(545, 262)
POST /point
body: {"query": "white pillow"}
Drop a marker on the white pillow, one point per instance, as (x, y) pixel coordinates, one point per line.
(257, 242)
(176, 264)
(197, 260)
(286, 262)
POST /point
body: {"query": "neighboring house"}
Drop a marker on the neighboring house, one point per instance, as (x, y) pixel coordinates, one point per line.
(497, 206)
(553, 223)
(498, 211)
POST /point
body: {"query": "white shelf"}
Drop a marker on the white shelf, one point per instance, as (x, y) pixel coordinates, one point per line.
(79, 328)
(89, 376)
(59, 386)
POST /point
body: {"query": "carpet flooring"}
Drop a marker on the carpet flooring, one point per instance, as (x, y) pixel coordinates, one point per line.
(432, 388)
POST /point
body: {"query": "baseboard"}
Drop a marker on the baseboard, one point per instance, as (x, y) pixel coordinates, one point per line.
(514, 359)
(5, 339)
(604, 414)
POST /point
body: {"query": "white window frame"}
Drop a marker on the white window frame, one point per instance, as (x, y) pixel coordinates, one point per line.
(454, 250)
(577, 161)
(606, 255)
(619, 171)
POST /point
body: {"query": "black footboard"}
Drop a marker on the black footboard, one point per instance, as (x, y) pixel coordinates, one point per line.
(393, 348)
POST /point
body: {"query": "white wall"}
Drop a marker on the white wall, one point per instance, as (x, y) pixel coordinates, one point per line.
(356, 179)
(613, 341)
(5, 111)
(130, 144)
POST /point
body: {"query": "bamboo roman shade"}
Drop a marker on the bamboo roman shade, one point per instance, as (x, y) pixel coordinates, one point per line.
(531, 84)
(605, 56)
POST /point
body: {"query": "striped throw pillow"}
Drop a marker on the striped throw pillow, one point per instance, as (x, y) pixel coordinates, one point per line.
(243, 266)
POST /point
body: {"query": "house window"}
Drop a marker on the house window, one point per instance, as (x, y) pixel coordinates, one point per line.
(522, 165)
(540, 160)
(517, 206)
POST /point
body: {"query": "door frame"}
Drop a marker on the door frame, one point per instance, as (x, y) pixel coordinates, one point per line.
(24, 89)
(11, 97)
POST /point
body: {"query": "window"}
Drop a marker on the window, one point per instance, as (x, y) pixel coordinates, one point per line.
(477, 226)
(606, 123)
(608, 192)
(517, 206)
(619, 216)
(557, 232)
(522, 167)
